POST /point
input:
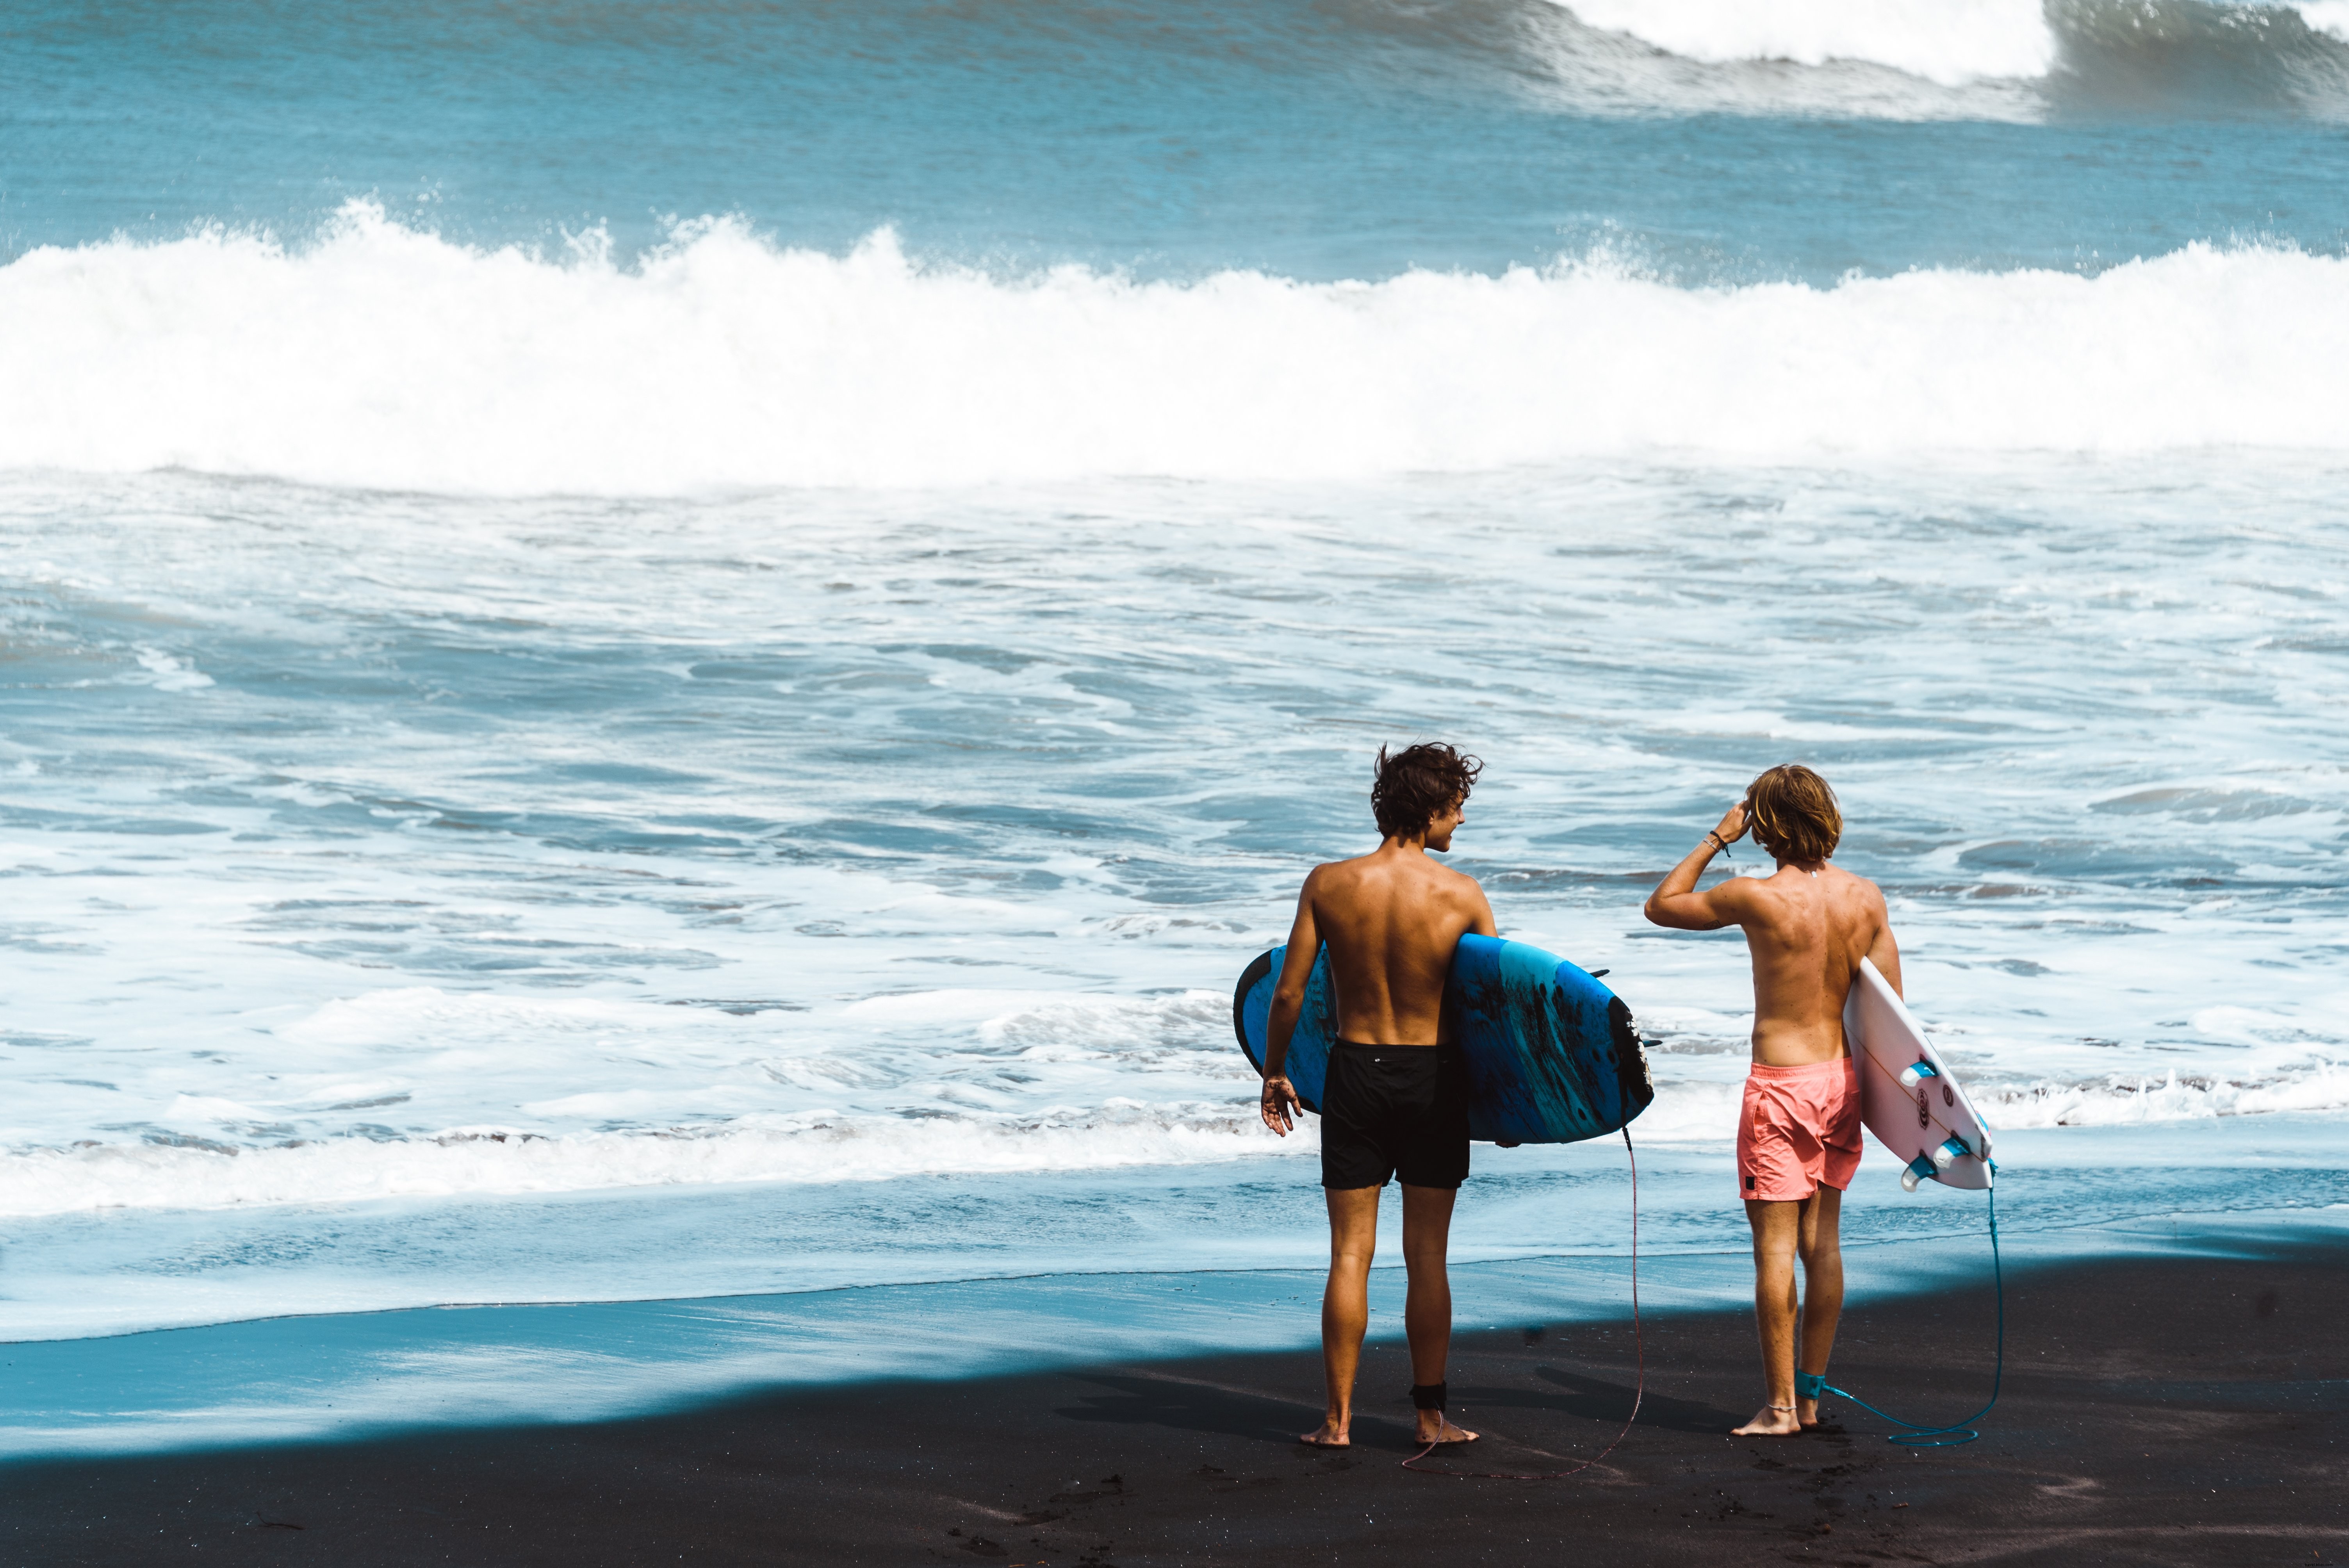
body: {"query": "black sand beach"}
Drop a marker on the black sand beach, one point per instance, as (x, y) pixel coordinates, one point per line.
(2171, 1411)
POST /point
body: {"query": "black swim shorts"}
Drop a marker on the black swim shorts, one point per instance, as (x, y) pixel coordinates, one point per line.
(1398, 1111)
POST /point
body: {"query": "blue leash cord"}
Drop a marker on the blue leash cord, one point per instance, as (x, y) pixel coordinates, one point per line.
(1810, 1385)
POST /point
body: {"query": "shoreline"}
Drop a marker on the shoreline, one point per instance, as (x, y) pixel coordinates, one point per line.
(340, 1376)
(335, 1377)
(77, 1275)
(2156, 1409)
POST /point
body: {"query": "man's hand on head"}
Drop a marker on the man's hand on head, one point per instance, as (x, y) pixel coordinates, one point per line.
(1280, 1105)
(1677, 903)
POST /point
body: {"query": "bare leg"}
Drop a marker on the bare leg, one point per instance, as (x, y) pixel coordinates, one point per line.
(1346, 1306)
(1776, 1231)
(1821, 1244)
(1427, 1308)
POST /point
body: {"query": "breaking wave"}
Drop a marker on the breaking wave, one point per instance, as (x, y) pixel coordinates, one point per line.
(383, 356)
(191, 1173)
(198, 1174)
(1999, 59)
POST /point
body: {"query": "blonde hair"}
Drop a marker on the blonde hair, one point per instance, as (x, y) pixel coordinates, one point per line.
(1794, 814)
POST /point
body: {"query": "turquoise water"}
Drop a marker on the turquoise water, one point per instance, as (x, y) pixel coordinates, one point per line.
(680, 651)
(1349, 139)
(2237, 1189)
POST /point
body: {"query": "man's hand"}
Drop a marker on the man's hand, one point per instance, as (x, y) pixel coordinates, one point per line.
(1280, 1105)
(1732, 825)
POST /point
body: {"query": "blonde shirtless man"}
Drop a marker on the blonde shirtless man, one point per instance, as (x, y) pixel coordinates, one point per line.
(1395, 1103)
(1806, 926)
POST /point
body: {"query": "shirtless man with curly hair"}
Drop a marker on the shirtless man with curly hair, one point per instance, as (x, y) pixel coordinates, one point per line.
(1396, 1104)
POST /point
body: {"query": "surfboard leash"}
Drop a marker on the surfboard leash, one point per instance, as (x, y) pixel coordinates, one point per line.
(1810, 1385)
(1640, 1352)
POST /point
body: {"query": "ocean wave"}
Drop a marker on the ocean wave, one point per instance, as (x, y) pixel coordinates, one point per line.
(830, 1147)
(826, 1147)
(1952, 42)
(1926, 60)
(2126, 1100)
(387, 357)
(1705, 1112)
(2156, 55)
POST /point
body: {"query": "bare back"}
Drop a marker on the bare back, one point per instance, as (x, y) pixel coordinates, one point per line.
(1390, 920)
(1807, 931)
(1807, 928)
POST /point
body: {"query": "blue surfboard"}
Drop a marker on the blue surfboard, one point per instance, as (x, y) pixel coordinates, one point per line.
(1552, 1056)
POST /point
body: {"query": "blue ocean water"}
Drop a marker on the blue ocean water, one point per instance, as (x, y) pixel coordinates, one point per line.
(678, 651)
(1347, 139)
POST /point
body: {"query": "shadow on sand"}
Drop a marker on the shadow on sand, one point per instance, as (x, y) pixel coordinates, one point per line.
(1184, 1406)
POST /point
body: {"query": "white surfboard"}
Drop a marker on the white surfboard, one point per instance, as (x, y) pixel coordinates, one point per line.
(1906, 1096)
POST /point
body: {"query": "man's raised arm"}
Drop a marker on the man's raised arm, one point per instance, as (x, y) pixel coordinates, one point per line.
(1676, 903)
(1279, 1104)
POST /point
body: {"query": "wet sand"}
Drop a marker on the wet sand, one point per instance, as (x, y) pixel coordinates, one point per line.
(2170, 1411)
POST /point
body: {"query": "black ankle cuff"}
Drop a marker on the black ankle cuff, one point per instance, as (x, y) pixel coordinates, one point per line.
(1427, 1395)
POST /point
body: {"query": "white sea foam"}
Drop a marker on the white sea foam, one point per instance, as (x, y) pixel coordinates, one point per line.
(1952, 42)
(416, 1091)
(1117, 1133)
(387, 357)
(171, 674)
(1945, 59)
(2122, 1101)
(1704, 1110)
(535, 873)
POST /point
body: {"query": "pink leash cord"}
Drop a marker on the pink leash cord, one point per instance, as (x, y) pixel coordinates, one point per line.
(1639, 1350)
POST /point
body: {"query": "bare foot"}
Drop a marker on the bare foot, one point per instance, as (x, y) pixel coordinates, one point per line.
(1328, 1435)
(1769, 1422)
(1806, 1411)
(1441, 1430)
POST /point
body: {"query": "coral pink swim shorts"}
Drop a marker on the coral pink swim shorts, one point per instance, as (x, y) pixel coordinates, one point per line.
(1798, 1128)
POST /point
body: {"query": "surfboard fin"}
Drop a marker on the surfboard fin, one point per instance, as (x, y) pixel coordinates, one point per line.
(1931, 1164)
(1916, 1072)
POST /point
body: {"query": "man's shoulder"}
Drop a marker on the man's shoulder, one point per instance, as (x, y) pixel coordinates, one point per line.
(1340, 880)
(1741, 887)
(1857, 885)
(1860, 902)
(1444, 889)
(1374, 872)
(1455, 881)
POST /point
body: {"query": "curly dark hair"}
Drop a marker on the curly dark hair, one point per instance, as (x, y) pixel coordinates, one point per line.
(1417, 783)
